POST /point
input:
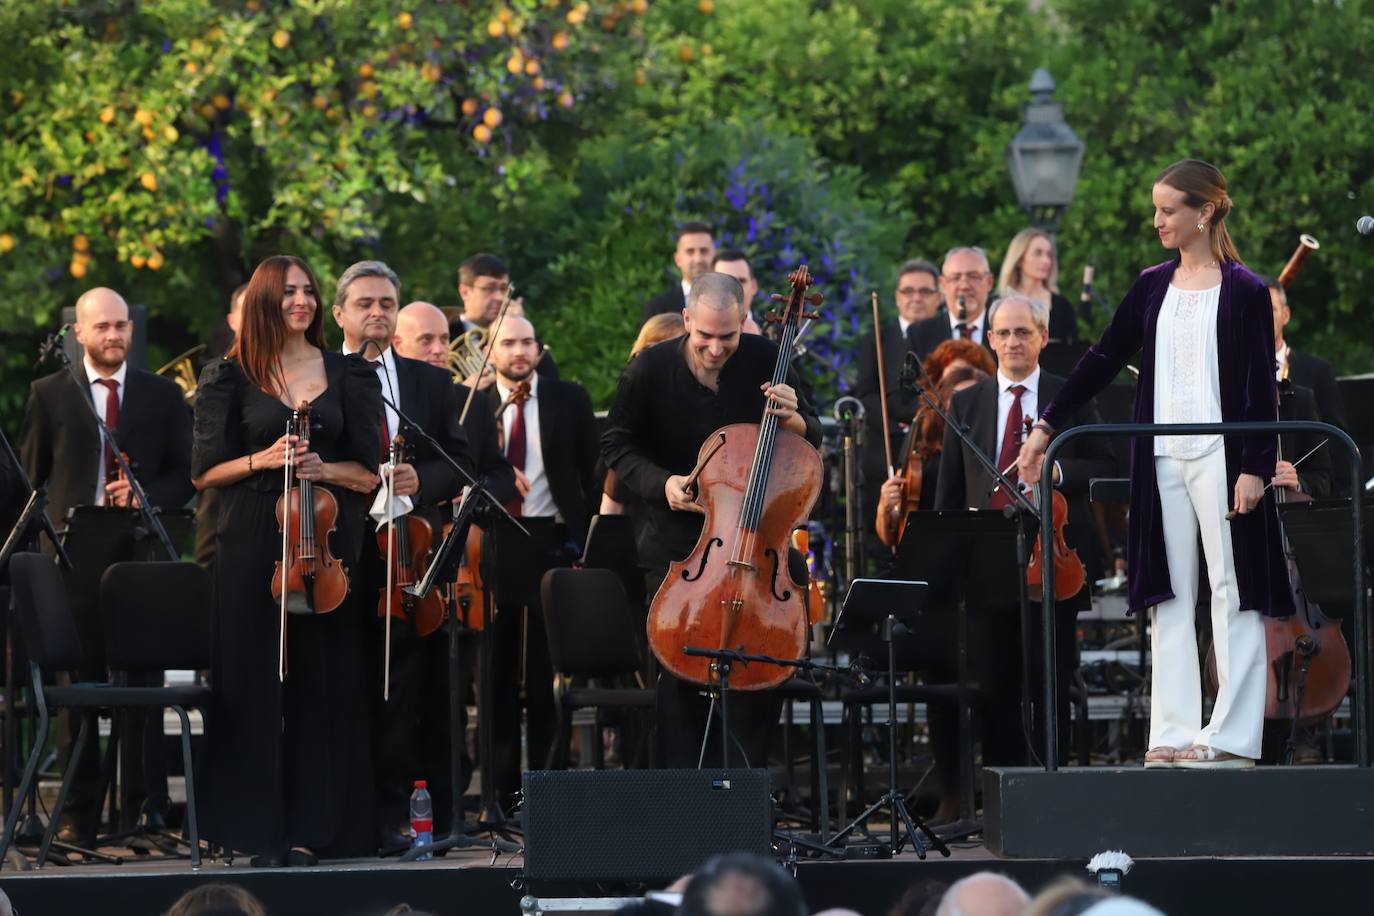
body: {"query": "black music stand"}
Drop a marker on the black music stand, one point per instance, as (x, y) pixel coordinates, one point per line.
(953, 550)
(894, 604)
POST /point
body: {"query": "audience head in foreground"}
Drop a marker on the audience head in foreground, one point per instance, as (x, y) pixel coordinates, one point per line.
(742, 884)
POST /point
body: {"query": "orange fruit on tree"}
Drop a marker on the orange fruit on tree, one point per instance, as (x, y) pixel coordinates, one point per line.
(281, 38)
(481, 133)
(148, 180)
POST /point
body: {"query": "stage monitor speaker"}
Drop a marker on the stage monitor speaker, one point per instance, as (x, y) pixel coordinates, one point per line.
(641, 825)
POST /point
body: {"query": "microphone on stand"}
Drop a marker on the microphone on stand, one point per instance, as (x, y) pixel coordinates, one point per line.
(1085, 298)
(51, 345)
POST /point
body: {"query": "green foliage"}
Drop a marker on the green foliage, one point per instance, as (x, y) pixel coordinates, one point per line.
(1274, 95)
(164, 147)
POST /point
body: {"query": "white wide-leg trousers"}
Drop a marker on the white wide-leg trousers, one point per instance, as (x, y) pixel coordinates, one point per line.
(1194, 497)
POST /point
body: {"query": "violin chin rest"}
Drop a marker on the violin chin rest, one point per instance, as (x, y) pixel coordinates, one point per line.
(296, 603)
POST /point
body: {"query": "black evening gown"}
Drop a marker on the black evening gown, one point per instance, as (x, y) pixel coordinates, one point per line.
(286, 764)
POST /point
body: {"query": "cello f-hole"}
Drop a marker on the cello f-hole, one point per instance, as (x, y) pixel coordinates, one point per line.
(777, 570)
(705, 555)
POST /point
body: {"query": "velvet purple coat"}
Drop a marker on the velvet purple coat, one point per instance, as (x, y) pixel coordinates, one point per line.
(1245, 365)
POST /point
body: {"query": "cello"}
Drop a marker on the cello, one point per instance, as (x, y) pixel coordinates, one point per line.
(756, 483)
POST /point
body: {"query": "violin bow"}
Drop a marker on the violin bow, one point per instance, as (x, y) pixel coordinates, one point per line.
(486, 353)
(1270, 485)
(1027, 424)
(882, 384)
(389, 484)
(285, 544)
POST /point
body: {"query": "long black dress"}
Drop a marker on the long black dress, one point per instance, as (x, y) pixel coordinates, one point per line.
(285, 764)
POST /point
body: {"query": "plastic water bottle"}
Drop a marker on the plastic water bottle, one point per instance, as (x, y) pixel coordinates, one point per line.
(421, 818)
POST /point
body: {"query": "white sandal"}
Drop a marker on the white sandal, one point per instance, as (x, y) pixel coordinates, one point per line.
(1202, 757)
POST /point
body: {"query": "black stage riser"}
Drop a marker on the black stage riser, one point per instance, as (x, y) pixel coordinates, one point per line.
(1179, 887)
(1267, 811)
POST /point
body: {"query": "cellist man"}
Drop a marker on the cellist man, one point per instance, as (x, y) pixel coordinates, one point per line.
(670, 399)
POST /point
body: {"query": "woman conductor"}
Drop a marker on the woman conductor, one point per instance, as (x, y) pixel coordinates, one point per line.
(1203, 326)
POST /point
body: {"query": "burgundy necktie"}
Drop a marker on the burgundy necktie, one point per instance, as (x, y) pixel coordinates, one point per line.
(111, 422)
(1011, 445)
(515, 450)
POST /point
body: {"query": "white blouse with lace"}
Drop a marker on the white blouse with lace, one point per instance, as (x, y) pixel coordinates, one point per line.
(1187, 386)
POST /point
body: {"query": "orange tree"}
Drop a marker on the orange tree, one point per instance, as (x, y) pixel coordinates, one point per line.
(163, 147)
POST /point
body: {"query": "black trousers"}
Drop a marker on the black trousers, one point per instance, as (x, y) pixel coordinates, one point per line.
(522, 674)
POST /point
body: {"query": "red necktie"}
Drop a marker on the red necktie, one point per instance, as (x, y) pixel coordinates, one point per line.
(383, 430)
(515, 450)
(111, 422)
(1011, 445)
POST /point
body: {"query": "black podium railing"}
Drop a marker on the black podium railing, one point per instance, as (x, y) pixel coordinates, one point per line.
(1363, 702)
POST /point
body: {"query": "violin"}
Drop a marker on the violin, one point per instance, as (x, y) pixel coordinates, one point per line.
(756, 484)
(911, 464)
(308, 579)
(1069, 574)
(406, 548)
(469, 587)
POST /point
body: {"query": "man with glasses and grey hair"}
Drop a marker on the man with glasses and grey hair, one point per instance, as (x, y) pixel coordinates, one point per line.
(993, 412)
(966, 281)
(365, 307)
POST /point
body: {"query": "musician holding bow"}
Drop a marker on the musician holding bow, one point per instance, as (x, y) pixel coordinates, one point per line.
(670, 399)
(287, 771)
(1202, 323)
(993, 412)
(366, 308)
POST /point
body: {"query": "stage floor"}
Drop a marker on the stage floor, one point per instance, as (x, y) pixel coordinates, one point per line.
(466, 883)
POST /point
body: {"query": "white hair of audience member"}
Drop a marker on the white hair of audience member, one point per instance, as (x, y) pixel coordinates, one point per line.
(1121, 906)
(983, 894)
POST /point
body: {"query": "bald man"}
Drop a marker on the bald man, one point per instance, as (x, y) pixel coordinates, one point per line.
(62, 451)
(983, 893)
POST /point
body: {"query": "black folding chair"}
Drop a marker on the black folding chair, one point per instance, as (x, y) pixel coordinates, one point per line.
(49, 633)
(156, 616)
(591, 638)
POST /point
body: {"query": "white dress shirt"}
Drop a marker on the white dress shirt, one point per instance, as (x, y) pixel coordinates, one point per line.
(1280, 362)
(686, 290)
(1187, 384)
(539, 501)
(99, 394)
(391, 386)
(904, 324)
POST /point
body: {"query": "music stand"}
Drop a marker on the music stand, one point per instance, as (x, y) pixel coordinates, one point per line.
(892, 603)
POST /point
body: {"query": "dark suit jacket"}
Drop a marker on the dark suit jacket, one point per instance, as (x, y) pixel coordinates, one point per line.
(429, 397)
(567, 435)
(901, 405)
(924, 336)
(963, 482)
(61, 448)
(1314, 474)
(485, 447)
(1316, 373)
(547, 367)
(670, 300)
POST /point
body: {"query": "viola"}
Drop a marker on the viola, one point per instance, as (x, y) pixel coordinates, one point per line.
(756, 483)
(308, 579)
(469, 587)
(409, 542)
(1069, 574)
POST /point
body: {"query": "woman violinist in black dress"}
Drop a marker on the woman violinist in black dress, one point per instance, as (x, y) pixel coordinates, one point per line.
(288, 771)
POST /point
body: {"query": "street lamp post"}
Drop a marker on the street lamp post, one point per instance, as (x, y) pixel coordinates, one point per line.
(1044, 156)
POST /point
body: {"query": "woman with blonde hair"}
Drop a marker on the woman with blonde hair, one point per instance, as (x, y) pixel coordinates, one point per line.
(1031, 268)
(658, 329)
(1203, 326)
